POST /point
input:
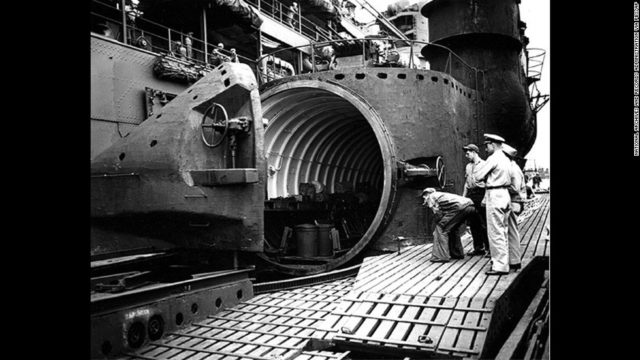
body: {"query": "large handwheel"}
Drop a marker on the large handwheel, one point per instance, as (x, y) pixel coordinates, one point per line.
(214, 120)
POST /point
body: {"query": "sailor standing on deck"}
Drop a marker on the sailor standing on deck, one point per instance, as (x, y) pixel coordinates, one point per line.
(189, 44)
(293, 10)
(450, 212)
(518, 193)
(495, 172)
(234, 56)
(474, 190)
(216, 55)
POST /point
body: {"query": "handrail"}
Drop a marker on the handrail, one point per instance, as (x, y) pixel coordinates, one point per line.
(161, 44)
(386, 22)
(478, 74)
(535, 71)
(313, 45)
(277, 12)
(299, 23)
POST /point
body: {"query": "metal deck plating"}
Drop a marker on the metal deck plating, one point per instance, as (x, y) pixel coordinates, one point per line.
(403, 303)
(399, 303)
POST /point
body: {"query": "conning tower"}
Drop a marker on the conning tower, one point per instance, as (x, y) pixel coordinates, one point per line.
(487, 35)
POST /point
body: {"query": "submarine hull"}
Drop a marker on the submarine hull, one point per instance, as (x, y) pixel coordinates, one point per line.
(370, 139)
(354, 126)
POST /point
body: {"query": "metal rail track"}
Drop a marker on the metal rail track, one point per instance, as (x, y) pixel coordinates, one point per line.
(299, 282)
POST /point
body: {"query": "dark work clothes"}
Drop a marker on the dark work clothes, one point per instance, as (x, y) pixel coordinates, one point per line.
(451, 212)
(478, 221)
(453, 227)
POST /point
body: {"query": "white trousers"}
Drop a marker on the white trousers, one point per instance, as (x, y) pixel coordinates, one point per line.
(513, 235)
(498, 211)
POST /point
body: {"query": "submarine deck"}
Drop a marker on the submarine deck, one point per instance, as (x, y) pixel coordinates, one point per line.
(403, 301)
(399, 303)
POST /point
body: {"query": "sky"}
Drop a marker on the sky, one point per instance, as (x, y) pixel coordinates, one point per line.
(535, 13)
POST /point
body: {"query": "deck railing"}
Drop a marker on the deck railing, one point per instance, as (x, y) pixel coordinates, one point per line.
(535, 61)
(315, 48)
(152, 36)
(453, 61)
(286, 16)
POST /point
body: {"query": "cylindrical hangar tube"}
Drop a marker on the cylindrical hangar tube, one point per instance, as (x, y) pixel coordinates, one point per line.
(322, 132)
(386, 130)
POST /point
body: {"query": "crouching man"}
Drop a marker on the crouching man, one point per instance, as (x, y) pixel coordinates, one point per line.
(450, 212)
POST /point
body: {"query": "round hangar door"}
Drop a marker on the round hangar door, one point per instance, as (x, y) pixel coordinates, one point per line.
(331, 164)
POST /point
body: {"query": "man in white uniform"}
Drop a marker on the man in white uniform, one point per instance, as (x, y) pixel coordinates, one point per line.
(496, 173)
(518, 193)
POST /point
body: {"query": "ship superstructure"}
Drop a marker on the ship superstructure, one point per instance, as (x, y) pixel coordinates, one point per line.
(143, 53)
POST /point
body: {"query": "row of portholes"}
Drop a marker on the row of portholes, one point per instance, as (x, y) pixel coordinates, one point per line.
(151, 144)
(227, 82)
(195, 97)
(401, 76)
(155, 327)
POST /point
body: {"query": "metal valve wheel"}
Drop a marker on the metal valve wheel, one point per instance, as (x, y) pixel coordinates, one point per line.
(214, 120)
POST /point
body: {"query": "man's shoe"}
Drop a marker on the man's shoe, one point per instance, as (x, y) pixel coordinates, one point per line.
(458, 257)
(476, 252)
(515, 267)
(493, 272)
(439, 261)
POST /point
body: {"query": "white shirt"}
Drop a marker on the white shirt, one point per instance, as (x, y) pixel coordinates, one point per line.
(494, 171)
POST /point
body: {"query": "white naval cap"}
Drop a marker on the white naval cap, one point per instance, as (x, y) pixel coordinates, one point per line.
(493, 138)
(509, 150)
